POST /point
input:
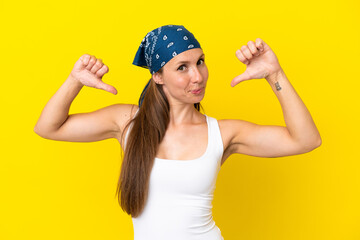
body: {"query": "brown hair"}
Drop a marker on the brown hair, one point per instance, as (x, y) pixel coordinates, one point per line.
(148, 130)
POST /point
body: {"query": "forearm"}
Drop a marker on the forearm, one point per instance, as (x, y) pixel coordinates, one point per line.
(297, 117)
(56, 111)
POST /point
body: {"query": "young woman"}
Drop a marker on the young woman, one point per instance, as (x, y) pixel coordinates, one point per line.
(172, 152)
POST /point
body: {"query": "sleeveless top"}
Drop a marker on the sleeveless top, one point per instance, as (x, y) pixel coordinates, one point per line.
(179, 205)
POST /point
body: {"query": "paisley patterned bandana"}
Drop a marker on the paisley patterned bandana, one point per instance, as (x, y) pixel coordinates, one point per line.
(160, 45)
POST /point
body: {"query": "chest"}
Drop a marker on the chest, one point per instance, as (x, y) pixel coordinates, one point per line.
(185, 143)
(190, 143)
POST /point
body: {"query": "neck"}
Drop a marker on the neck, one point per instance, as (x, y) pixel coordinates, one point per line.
(184, 114)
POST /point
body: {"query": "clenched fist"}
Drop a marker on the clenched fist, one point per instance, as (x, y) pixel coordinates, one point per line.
(89, 71)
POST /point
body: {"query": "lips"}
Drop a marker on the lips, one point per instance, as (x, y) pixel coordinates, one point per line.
(199, 90)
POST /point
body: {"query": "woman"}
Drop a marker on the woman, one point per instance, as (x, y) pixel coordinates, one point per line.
(172, 152)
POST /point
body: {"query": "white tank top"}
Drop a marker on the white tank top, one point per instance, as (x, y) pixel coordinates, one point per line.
(179, 205)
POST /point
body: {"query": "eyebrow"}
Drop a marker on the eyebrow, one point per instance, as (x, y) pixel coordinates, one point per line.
(189, 61)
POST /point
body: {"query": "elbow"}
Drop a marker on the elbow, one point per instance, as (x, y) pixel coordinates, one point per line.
(39, 133)
(318, 143)
(36, 130)
(311, 145)
(308, 145)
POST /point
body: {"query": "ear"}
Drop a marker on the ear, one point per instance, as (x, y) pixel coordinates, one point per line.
(157, 78)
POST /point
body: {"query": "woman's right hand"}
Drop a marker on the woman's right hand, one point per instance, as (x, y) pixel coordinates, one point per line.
(89, 71)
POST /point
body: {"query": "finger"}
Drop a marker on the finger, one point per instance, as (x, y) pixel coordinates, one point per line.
(91, 63)
(259, 44)
(85, 59)
(254, 51)
(241, 57)
(97, 66)
(246, 51)
(101, 85)
(104, 69)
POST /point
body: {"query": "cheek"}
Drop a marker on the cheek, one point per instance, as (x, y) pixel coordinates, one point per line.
(177, 84)
(178, 81)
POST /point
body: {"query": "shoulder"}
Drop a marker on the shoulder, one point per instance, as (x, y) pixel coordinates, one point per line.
(231, 129)
(122, 114)
(226, 132)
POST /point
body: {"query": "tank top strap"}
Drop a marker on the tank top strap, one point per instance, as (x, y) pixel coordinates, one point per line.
(217, 146)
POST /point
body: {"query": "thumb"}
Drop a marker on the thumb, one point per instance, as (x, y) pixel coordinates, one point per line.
(106, 87)
(240, 78)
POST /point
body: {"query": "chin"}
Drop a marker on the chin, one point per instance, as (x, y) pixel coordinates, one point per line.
(200, 98)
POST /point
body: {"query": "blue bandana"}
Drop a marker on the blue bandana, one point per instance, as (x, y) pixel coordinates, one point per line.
(162, 44)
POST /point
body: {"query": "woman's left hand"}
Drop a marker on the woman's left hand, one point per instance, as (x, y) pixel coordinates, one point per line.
(260, 60)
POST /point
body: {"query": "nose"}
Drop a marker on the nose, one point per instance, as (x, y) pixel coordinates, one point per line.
(197, 77)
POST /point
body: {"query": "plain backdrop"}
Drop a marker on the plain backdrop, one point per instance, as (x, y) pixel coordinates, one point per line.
(66, 190)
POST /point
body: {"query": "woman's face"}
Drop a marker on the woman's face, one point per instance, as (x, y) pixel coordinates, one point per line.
(183, 74)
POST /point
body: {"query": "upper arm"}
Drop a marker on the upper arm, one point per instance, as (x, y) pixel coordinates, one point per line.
(93, 126)
(263, 140)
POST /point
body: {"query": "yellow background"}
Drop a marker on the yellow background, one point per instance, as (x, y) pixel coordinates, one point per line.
(65, 190)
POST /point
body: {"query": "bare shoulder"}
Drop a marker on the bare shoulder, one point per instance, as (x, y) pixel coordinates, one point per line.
(230, 130)
(123, 114)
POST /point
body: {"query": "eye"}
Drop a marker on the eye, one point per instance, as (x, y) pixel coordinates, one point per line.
(181, 67)
(201, 59)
